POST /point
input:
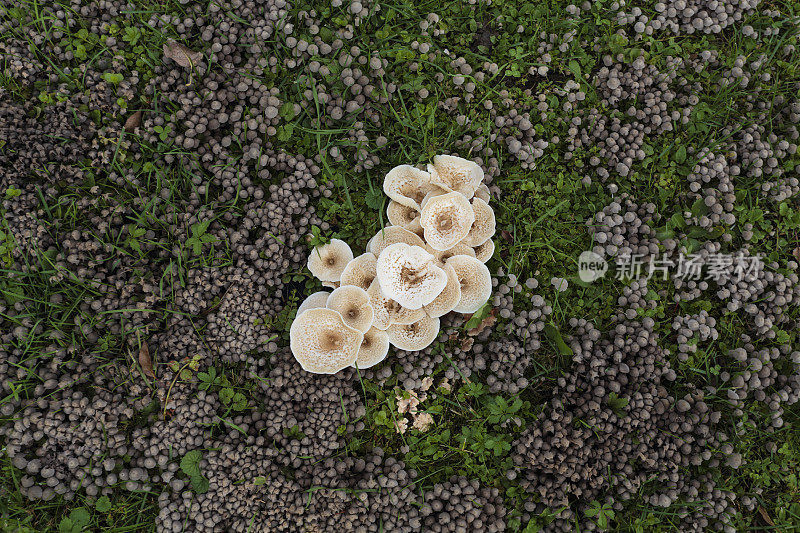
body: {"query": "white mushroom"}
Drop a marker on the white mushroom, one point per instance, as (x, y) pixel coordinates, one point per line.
(360, 271)
(392, 235)
(373, 349)
(315, 301)
(327, 262)
(401, 215)
(409, 275)
(475, 280)
(322, 343)
(353, 304)
(483, 227)
(483, 193)
(446, 220)
(416, 336)
(449, 298)
(387, 311)
(485, 251)
(459, 249)
(407, 185)
(455, 174)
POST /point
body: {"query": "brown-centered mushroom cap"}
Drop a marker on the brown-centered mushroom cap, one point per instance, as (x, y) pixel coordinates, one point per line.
(373, 349)
(459, 249)
(391, 235)
(485, 251)
(455, 174)
(315, 301)
(387, 311)
(446, 219)
(401, 215)
(353, 304)
(409, 275)
(360, 271)
(449, 298)
(322, 343)
(327, 262)
(407, 185)
(475, 280)
(416, 336)
(483, 227)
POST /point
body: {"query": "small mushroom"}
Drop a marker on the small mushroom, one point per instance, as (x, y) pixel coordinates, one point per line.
(328, 261)
(483, 227)
(353, 304)
(407, 185)
(446, 219)
(485, 251)
(315, 301)
(475, 280)
(483, 193)
(392, 235)
(360, 271)
(322, 343)
(409, 275)
(454, 173)
(416, 336)
(449, 298)
(373, 349)
(401, 215)
(388, 311)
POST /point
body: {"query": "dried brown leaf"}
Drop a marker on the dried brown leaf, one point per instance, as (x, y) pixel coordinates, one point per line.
(765, 516)
(133, 121)
(796, 253)
(180, 54)
(145, 362)
(507, 235)
(487, 322)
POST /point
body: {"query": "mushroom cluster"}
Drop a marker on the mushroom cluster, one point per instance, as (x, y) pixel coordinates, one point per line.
(428, 262)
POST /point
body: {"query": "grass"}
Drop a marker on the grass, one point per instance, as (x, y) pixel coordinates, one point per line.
(542, 217)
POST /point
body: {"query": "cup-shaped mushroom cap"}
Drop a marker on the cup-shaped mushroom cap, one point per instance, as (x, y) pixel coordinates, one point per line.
(449, 298)
(353, 304)
(401, 215)
(387, 311)
(416, 336)
(360, 271)
(432, 194)
(459, 249)
(373, 349)
(392, 235)
(483, 227)
(407, 185)
(322, 343)
(409, 275)
(446, 220)
(327, 262)
(475, 280)
(416, 228)
(315, 301)
(485, 251)
(454, 173)
(331, 284)
(483, 193)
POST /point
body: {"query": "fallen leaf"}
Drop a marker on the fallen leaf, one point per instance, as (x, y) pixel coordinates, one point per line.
(145, 362)
(487, 322)
(796, 253)
(765, 516)
(180, 54)
(507, 235)
(133, 121)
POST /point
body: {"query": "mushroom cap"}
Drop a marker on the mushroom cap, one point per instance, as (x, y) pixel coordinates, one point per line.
(409, 275)
(416, 336)
(449, 298)
(484, 225)
(360, 271)
(446, 219)
(438, 191)
(322, 343)
(373, 349)
(485, 251)
(454, 173)
(315, 301)
(475, 280)
(353, 304)
(407, 185)
(401, 215)
(416, 228)
(459, 249)
(391, 235)
(387, 311)
(483, 193)
(331, 284)
(327, 262)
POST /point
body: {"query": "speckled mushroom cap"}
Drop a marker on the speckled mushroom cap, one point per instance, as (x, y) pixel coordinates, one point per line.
(449, 298)
(407, 185)
(416, 336)
(459, 249)
(373, 349)
(322, 343)
(401, 215)
(409, 275)
(483, 193)
(391, 235)
(483, 227)
(485, 251)
(387, 311)
(475, 280)
(328, 261)
(360, 271)
(353, 304)
(446, 219)
(315, 301)
(454, 173)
